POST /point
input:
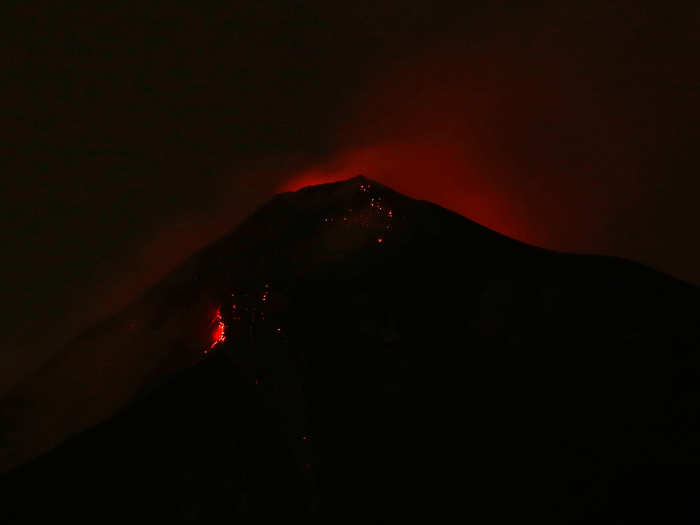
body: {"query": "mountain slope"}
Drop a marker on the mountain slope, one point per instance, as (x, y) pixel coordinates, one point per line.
(374, 357)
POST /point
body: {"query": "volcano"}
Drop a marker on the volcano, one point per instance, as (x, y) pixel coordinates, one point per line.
(349, 354)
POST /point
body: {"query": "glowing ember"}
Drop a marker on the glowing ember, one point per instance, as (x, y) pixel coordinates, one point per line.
(248, 312)
(219, 333)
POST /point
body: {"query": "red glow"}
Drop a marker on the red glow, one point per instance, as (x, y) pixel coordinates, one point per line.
(451, 128)
(444, 173)
(313, 179)
(219, 333)
(509, 141)
(380, 240)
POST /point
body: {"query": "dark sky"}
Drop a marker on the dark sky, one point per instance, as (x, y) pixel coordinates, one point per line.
(132, 136)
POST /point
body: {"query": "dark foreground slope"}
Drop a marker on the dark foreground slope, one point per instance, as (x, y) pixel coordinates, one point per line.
(385, 359)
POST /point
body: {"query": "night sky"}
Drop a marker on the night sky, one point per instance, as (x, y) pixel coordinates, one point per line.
(133, 136)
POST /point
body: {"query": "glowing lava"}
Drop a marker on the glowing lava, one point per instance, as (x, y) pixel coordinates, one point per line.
(219, 333)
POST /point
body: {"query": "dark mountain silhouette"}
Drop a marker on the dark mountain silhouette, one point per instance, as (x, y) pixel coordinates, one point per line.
(351, 355)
